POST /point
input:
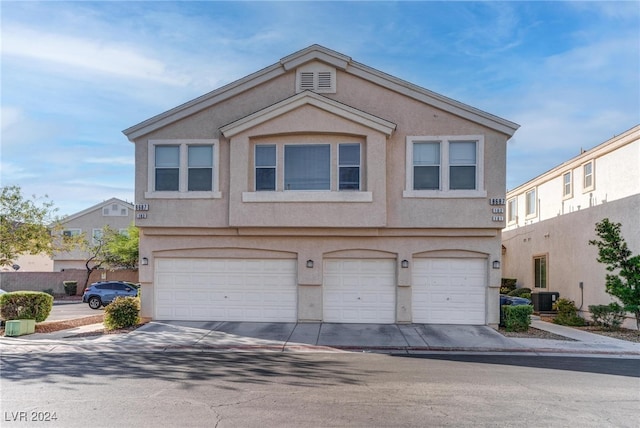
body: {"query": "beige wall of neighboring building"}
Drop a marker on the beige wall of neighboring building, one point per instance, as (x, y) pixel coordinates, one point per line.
(564, 223)
(116, 214)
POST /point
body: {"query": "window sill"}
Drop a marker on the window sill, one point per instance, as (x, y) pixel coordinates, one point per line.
(183, 195)
(307, 196)
(444, 194)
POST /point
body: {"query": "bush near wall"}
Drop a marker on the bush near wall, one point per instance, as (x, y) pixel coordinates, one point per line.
(519, 292)
(517, 318)
(507, 285)
(609, 316)
(123, 312)
(567, 313)
(25, 305)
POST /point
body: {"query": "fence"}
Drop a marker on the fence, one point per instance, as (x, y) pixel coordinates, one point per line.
(41, 281)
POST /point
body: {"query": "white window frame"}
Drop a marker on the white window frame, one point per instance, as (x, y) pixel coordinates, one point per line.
(528, 212)
(95, 232)
(331, 195)
(592, 175)
(567, 187)
(512, 210)
(72, 231)
(358, 165)
(544, 279)
(183, 177)
(444, 191)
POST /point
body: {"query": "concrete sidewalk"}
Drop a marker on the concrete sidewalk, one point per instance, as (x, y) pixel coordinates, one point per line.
(320, 337)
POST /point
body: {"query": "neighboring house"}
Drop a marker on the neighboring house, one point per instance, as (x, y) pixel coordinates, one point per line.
(551, 219)
(30, 263)
(320, 189)
(114, 213)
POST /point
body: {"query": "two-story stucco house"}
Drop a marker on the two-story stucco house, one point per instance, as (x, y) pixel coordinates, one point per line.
(551, 218)
(115, 213)
(320, 189)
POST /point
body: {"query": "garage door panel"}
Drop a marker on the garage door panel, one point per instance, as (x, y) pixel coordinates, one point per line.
(359, 291)
(449, 291)
(226, 290)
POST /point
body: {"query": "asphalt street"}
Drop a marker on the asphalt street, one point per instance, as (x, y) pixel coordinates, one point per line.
(67, 311)
(196, 389)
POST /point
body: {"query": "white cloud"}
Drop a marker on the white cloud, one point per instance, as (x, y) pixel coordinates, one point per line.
(115, 160)
(97, 55)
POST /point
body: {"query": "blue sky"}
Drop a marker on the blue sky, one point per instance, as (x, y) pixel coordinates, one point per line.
(75, 74)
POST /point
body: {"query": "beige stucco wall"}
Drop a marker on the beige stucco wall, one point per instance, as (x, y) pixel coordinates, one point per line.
(388, 226)
(87, 223)
(319, 245)
(570, 260)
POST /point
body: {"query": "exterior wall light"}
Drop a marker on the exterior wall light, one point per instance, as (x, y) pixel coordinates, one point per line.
(145, 261)
(404, 264)
(496, 264)
(310, 263)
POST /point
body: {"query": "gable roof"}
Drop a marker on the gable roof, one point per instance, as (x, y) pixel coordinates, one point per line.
(308, 98)
(95, 208)
(341, 62)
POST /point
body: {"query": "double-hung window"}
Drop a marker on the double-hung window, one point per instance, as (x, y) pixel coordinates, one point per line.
(183, 169)
(349, 167)
(445, 166)
(530, 203)
(265, 175)
(566, 185)
(588, 182)
(512, 210)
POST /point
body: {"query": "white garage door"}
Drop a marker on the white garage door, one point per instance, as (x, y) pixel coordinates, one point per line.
(449, 291)
(226, 290)
(359, 291)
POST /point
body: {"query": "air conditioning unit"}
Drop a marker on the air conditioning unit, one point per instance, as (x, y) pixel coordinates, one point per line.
(543, 301)
(19, 327)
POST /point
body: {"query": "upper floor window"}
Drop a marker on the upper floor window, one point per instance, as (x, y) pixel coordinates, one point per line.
(445, 166)
(71, 232)
(530, 203)
(183, 168)
(567, 188)
(349, 167)
(588, 181)
(97, 236)
(512, 210)
(307, 167)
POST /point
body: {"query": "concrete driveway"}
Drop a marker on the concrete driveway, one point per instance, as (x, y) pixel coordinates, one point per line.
(292, 336)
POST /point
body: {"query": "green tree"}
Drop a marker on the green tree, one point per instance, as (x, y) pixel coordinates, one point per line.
(122, 248)
(27, 226)
(111, 249)
(613, 252)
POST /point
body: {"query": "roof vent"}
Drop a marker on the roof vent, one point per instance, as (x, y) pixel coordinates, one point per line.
(316, 77)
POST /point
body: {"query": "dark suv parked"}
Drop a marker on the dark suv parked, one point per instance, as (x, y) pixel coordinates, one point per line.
(102, 293)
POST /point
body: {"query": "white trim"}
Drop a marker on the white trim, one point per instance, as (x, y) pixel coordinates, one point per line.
(307, 196)
(444, 191)
(182, 193)
(308, 98)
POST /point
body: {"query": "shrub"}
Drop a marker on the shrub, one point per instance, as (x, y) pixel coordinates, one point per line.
(518, 292)
(517, 318)
(507, 285)
(608, 316)
(123, 312)
(70, 287)
(567, 313)
(26, 305)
